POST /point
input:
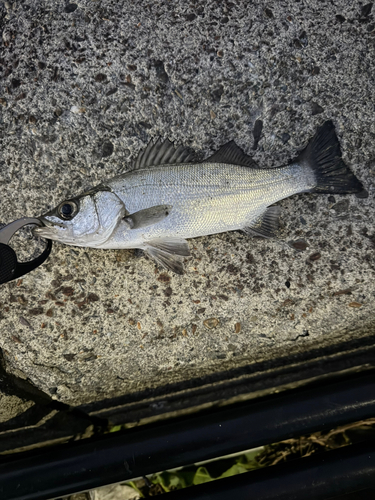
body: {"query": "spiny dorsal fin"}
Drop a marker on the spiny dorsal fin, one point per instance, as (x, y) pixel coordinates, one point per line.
(161, 152)
(266, 225)
(232, 154)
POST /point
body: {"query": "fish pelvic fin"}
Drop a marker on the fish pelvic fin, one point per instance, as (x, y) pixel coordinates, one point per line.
(323, 156)
(168, 252)
(266, 225)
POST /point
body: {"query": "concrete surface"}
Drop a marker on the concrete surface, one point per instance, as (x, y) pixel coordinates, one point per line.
(12, 406)
(84, 86)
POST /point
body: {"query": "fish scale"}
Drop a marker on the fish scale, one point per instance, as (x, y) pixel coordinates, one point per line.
(206, 198)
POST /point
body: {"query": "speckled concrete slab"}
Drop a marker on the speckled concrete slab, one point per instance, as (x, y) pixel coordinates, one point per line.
(12, 406)
(84, 86)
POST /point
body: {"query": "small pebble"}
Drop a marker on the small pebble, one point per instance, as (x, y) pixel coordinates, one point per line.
(343, 292)
(24, 322)
(303, 38)
(366, 9)
(299, 245)
(107, 149)
(100, 77)
(68, 291)
(36, 311)
(316, 109)
(217, 93)
(315, 256)
(362, 194)
(87, 257)
(76, 110)
(285, 138)
(92, 297)
(161, 74)
(211, 323)
(341, 206)
(70, 7)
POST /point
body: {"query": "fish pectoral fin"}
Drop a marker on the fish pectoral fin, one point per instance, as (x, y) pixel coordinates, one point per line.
(148, 216)
(168, 252)
(232, 154)
(265, 225)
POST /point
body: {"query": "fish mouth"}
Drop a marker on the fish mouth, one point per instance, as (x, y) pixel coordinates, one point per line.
(48, 230)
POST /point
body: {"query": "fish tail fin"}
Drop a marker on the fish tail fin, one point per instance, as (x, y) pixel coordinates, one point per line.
(323, 156)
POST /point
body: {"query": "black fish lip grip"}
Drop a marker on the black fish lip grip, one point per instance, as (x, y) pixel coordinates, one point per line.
(10, 268)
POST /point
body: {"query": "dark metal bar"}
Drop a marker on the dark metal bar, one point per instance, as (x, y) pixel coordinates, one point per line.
(91, 463)
(322, 476)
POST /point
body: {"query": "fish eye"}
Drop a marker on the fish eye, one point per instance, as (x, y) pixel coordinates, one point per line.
(67, 210)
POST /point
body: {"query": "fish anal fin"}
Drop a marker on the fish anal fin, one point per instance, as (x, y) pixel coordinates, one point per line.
(232, 154)
(162, 152)
(168, 252)
(266, 225)
(148, 216)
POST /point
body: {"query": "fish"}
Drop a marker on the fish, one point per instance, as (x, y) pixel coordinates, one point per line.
(167, 197)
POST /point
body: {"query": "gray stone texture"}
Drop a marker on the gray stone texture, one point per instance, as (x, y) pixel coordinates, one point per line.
(83, 88)
(12, 406)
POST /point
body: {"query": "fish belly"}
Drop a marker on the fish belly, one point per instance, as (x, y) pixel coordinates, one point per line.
(205, 198)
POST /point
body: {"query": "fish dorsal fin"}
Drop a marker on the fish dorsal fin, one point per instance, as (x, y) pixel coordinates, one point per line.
(232, 154)
(161, 152)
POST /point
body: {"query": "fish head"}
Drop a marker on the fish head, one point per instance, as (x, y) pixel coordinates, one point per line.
(87, 220)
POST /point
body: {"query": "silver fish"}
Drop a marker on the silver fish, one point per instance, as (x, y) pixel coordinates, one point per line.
(166, 197)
